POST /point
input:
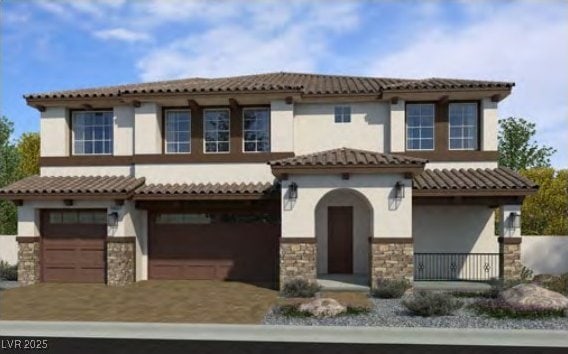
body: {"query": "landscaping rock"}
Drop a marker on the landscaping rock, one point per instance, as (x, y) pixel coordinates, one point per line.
(324, 307)
(534, 295)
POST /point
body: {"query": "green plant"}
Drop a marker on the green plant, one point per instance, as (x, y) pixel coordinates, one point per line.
(488, 294)
(428, 303)
(8, 272)
(299, 287)
(498, 308)
(391, 288)
(526, 274)
(558, 283)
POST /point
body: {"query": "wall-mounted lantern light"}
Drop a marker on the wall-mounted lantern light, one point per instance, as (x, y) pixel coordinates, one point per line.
(514, 220)
(112, 219)
(399, 190)
(293, 190)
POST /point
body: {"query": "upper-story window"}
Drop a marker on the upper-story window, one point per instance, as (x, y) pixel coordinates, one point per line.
(342, 114)
(420, 126)
(217, 130)
(92, 132)
(463, 126)
(256, 130)
(178, 131)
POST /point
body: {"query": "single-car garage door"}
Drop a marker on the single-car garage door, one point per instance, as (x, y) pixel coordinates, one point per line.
(73, 246)
(220, 246)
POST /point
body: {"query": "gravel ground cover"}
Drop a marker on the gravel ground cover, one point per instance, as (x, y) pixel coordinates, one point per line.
(391, 313)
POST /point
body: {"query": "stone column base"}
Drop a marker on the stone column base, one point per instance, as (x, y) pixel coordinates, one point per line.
(511, 248)
(297, 259)
(28, 260)
(121, 260)
(391, 258)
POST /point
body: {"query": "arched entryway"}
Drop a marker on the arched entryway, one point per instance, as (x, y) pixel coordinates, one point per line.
(343, 227)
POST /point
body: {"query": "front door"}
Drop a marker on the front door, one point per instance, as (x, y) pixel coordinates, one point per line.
(340, 239)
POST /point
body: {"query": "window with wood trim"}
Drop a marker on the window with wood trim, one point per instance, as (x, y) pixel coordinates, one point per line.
(178, 131)
(256, 130)
(463, 126)
(216, 130)
(342, 114)
(92, 132)
(420, 126)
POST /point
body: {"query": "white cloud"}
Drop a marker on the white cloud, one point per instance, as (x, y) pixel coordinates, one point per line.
(522, 42)
(297, 40)
(121, 34)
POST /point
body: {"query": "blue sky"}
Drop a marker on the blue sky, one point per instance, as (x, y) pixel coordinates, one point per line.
(60, 44)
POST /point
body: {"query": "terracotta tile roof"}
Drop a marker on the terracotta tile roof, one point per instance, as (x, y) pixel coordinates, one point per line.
(497, 179)
(307, 84)
(72, 186)
(196, 190)
(346, 157)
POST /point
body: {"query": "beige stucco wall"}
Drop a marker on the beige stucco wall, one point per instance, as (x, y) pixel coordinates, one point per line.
(205, 173)
(461, 164)
(489, 125)
(397, 127)
(281, 126)
(391, 217)
(316, 130)
(454, 228)
(361, 228)
(123, 130)
(147, 128)
(87, 171)
(54, 132)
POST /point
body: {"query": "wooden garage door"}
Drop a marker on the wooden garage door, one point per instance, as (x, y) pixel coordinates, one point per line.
(73, 246)
(213, 246)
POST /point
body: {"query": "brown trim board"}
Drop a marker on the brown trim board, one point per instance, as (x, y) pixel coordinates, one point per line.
(295, 240)
(384, 240)
(27, 239)
(121, 239)
(510, 240)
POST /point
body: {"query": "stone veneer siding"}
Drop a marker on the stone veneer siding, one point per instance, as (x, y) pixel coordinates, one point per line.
(512, 265)
(391, 258)
(297, 259)
(121, 255)
(28, 260)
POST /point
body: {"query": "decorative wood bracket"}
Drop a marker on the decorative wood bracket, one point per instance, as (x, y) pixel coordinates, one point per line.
(394, 100)
(193, 105)
(233, 104)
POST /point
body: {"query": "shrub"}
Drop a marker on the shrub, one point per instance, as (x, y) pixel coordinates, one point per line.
(391, 288)
(8, 272)
(526, 274)
(299, 288)
(425, 303)
(558, 283)
(497, 308)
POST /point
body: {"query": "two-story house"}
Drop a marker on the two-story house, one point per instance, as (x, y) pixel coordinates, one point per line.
(270, 177)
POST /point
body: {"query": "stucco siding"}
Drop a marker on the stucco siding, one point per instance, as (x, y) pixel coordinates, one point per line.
(489, 125)
(147, 129)
(87, 171)
(123, 130)
(391, 217)
(205, 173)
(315, 128)
(54, 131)
(398, 127)
(281, 126)
(454, 229)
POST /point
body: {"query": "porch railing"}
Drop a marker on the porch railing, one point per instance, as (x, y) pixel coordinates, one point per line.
(456, 266)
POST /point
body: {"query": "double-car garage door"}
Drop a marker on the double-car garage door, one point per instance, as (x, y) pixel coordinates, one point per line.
(223, 246)
(73, 246)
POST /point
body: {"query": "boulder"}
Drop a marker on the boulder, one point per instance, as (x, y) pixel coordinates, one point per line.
(323, 307)
(534, 295)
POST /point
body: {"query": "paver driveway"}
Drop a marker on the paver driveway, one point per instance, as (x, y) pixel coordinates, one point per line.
(200, 301)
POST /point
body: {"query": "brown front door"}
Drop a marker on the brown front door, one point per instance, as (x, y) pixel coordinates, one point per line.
(73, 246)
(340, 239)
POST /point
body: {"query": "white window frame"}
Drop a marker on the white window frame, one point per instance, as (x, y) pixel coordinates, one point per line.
(166, 141)
(406, 139)
(244, 131)
(205, 131)
(476, 131)
(74, 126)
(343, 115)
